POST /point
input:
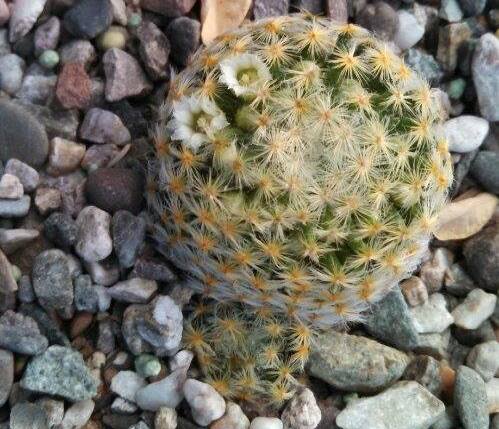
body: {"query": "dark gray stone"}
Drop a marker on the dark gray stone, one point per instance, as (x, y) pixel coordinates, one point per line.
(470, 399)
(313, 6)
(20, 334)
(390, 321)
(51, 277)
(128, 233)
(485, 169)
(265, 8)
(380, 18)
(183, 34)
(90, 297)
(25, 292)
(482, 257)
(461, 170)
(60, 371)
(88, 18)
(471, 337)
(114, 189)
(21, 135)
(48, 327)
(426, 371)
(472, 7)
(154, 49)
(153, 269)
(60, 228)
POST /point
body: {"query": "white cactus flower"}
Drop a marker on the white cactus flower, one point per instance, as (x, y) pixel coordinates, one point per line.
(195, 120)
(244, 74)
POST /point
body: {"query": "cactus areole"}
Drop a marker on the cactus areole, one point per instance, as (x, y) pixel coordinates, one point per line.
(297, 174)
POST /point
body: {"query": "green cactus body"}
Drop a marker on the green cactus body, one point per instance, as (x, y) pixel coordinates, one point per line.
(297, 175)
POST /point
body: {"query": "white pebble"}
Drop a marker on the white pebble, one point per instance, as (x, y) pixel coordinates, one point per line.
(465, 133)
(164, 393)
(234, 418)
(206, 404)
(78, 414)
(126, 384)
(24, 14)
(94, 241)
(476, 308)
(11, 187)
(409, 31)
(433, 316)
(266, 423)
(484, 359)
(492, 390)
(302, 412)
(182, 359)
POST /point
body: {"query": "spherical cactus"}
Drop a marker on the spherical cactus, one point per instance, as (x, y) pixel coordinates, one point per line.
(297, 174)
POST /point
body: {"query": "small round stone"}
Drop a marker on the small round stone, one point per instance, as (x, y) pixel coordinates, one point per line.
(147, 365)
(115, 37)
(135, 20)
(49, 59)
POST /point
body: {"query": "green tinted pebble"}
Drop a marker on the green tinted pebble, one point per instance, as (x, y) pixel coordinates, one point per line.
(147, 365)
(135, 20)
(16, 272)
(49, 59)
(455, 89)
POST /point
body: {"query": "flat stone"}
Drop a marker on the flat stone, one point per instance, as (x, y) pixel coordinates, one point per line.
(183, 34)
(88, 18)
(433, 316)
(465, 133)
(124, 76)
(115, 189)
(407, 405)
(485, 72)
(28, 416)
(15, 208)
(24, 14)
(52, 279)
(60, 371)
(206, 404)
(136, 290)
(11, 187)
(22, 137)
(11, 73)
(126, 384)
(154, 50)
(164, 393)
(129, 233)
(470, 399)
(14, 239)
(481, 253)
(266, 8)
(102, 126)
(93, 242)
(390, 321)
(484, 359)
(20, 334)
(477, 307)
(6, 375)
(27, 175)
(353, 363)
(73, 90)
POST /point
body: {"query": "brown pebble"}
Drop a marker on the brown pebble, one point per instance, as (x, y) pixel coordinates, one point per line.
(80, 323)
(448, 377)
(109, 373)
(73, 90)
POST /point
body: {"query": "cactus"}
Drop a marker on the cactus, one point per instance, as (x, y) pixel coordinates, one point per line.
(297, 174)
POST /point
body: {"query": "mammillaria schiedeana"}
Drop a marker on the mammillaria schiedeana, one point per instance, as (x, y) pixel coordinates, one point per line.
(297, 174)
